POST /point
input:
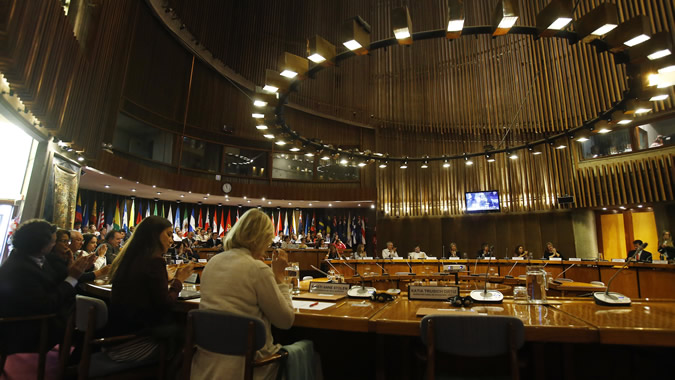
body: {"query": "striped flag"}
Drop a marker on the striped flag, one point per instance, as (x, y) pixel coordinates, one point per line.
(116, 219)
(85, 217)
(286, 223)
(221, 230)
(92, 218)
(132, 218)
(101, 218)
(176, 222)
(147, 210)
(170, 217)
(228, 225)
(199, 222)
(125, 217)
(191, 226)
(207, 224)
(78, 210)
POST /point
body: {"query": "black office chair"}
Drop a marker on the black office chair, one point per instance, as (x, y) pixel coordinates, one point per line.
(472, 336)
(9, 348)
(228, 334)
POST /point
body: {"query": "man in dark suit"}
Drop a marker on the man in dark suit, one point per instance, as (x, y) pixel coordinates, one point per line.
(639, 254)
(27, 287)
(213, 241)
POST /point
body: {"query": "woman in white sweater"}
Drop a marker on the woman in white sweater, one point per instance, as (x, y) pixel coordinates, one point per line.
(238, 281)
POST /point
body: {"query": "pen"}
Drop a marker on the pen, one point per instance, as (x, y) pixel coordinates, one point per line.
(314, 304)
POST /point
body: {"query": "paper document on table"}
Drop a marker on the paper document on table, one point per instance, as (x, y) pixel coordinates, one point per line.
(309, 305)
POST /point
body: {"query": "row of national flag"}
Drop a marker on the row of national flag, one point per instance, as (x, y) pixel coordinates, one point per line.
(351, 229)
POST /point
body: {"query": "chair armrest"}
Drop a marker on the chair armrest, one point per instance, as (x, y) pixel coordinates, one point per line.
(113, 339)
(271, 359)
(27, 318)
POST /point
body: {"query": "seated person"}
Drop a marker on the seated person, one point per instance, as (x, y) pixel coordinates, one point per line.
(286, 242)
(666, 248)
(417, 254)
(185, 253)
(484, 251)
(213, 242)
(390, 251)
(520, 251)
(339, 244)
(60, 258)
(177, 235)
(454, 252)
(76, 242)
(638, 254)
(238, 281)
(303, 243)
(333, 253)
(89, 248)
(360, 252)
(551, 251)
(28, 288)
(319, 244)
(142, 293)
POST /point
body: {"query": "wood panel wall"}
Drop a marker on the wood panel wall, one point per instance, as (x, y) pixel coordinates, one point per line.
(74, 93)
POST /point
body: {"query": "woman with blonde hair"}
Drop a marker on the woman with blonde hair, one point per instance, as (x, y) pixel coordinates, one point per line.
(238, 281)
(666, 248)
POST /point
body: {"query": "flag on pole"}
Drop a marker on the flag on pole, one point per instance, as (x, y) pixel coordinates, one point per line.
(307, 223)
(349, 229)
(191, 227)
(286, 223)
(293, 225)
(176, 222)
(132, 218)
(363, 231)
(85, 217)
(162, 210)
(207, 224)
(170, 217)
(228, 225)
(125, 217)
(237, 216)
(186, 222)
(147, 210)
(116, 218)
(199, 222)
(215, 221)
(154, 213)
(221, 230)
(299, 223)
(279, 228)
(78, 210)
(92, 218)
(139, 216)
(273, 225)
(313, 226)
(354, 235)
(101, 218)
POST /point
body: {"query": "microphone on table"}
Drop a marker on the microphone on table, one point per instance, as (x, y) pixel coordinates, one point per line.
(410, 266)
(384, 274)
(485, 295)
(475, 268)
(442, 252)
(508, 275)
(561, 273)
(356, 274)
(319, 270)
(608, 298)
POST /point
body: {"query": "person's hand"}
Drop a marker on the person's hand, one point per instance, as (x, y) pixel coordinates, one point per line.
(102, 250)
(77, 267)
(102, 272)
(184, 272)
(279, 264)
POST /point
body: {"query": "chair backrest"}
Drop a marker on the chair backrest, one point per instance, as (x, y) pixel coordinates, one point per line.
(225, 333)
(475, 336)
(82, 305)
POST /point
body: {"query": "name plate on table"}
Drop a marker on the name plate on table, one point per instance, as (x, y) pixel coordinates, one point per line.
(452, 258)
(366, 258)
(618, 260)
(179, 262)
(489, 258)
(328, 288)
(398, 258)
(418, 292)
(431, 258)
(201, 260)
(555, 259)
(454, 267)
(659, 261)
(575, 259)
(518, 258)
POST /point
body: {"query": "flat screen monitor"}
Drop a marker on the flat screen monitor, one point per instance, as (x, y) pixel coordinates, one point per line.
(482, 201)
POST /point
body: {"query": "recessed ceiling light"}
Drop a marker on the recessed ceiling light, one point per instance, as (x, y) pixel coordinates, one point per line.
(159, 193)
(639, 206)
(80, 158)
(290, 204)
(604, 208)
(263, 198)
(261, 127)
(136, 182)
(153, 186)
(309, 154)
(269, 202)
(310, 205)
(257, 115)
(248, 201)
(120, 177)
(372, 206)
(189, 191)
(208, 195)
(206, 198)
(182, 195)
(107, 186)
(244, 196)
(281, 142)
(259, 103)
(294, 149)
(359, 205)
(330, 205)
(133, 190)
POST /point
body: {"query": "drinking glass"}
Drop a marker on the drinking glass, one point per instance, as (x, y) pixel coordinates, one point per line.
(292, 277)
(536, 284)
(520, 294)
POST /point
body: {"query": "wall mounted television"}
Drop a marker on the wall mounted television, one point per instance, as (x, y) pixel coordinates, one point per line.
(482, 201)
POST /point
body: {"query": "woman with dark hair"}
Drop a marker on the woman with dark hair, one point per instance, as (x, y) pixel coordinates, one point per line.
(142, 294)
(27, 287)
(333, 252)
(184, 252)
(520, 251)
(89, 247)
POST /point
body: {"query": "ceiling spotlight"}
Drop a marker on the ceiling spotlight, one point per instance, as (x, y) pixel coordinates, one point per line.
(467, 161)
(269, 136)
(154, 186)
(269, 202)
(293, 65)
(294, 149)
(425, 164)
(107, 186)
(159, 193)
(120, 177)
(355, 35)
(261, 127)
(383, 165)
(280, 142)
(446, 164)
(330, 205)
(325, 157)
(259, 103)
(554, 17)
(344, 161)
(182, 195)
(310, 205)
(244, 196)
(361, 164)
(404, 165)
(490, 157)
(309, 154)
(257, 115)
(598, 22)
(248, 201)
(320, 50)
(372, 206)
(400, 21)
(133, 190)
(290, 204)
(80, 158)
(513, 156)
(455, 19)
(504, 17)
